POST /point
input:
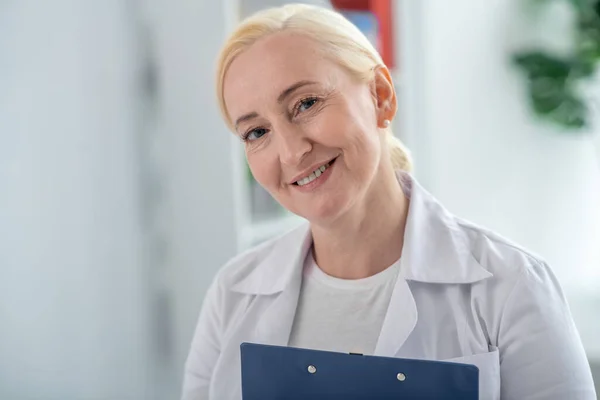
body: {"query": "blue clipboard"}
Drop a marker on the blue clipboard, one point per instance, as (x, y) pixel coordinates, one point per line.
(275, 372)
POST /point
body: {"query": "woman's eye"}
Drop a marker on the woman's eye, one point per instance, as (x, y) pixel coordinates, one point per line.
(306, 104)
(255, 134)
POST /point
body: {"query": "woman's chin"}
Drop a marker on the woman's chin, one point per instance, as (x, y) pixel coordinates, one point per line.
(324, 213)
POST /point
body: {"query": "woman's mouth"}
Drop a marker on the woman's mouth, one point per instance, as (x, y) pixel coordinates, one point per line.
(315, 179)
(315, 174)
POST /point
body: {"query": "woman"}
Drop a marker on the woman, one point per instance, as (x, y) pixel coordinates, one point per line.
(382, 268)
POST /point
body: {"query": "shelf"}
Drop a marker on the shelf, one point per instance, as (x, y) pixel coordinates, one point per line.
(257, 232)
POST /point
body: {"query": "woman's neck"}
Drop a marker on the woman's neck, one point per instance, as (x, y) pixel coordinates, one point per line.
(368, 238)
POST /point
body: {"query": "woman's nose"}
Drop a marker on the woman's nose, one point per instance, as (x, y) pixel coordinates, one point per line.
(293, 147)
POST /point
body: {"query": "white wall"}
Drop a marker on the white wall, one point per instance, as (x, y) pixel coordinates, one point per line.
(202, 164)
(479, 150)
(72, 322)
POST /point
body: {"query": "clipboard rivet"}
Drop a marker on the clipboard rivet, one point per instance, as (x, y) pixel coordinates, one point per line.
(401, 377)
(312, 369)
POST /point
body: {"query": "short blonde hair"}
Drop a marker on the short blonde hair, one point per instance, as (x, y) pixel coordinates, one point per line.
(342, 41)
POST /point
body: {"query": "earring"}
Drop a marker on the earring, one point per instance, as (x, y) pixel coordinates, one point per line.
(386, 123)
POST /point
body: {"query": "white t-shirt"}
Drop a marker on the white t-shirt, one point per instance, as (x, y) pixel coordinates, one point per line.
(341, 315)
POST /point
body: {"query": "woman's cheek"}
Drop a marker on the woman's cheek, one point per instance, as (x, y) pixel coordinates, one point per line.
(264, 168)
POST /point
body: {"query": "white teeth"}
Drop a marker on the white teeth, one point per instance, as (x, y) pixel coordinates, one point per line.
(314, 175)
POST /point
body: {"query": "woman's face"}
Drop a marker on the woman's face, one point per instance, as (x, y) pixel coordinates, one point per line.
(312, 133)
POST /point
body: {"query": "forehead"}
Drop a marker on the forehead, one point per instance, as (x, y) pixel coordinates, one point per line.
(271, 65)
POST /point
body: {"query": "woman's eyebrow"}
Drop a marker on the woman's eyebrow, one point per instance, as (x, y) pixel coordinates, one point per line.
(285, 93)
(245, 117)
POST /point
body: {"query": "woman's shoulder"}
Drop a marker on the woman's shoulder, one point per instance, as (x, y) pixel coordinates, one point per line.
(502, 257)
(244, 263)
(454, 250)
(262, 268)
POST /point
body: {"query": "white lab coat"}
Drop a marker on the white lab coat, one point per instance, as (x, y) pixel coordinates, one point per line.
(463, 294)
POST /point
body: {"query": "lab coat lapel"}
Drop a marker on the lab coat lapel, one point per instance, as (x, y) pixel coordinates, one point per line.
(275, 321)
(399, 322)
(269, 320)
(275, 324)
(436, 251)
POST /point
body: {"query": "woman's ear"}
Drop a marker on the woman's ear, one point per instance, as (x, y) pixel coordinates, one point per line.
(384, 95)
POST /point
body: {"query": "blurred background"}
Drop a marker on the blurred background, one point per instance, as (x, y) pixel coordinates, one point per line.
(122, 192)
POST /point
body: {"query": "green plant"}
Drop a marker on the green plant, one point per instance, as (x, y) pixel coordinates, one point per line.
(554, 82)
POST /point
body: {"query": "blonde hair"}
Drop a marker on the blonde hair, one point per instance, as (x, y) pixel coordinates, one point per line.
(342, 41)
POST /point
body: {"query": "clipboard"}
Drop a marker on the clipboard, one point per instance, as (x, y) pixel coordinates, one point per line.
(287, 373)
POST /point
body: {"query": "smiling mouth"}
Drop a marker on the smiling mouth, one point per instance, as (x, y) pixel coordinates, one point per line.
(315, 174)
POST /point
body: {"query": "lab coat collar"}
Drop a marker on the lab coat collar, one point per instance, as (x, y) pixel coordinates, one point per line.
(275, 264)
(436, 249)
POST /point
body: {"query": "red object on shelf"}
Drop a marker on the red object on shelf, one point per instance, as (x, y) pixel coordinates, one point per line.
(382, 10)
